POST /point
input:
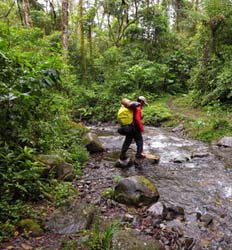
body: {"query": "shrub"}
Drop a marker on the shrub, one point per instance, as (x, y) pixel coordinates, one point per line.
(156, 113)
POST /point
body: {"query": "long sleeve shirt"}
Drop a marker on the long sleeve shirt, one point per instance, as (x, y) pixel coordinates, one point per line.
(138, 118)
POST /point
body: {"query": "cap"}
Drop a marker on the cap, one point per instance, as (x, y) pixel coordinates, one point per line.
(142, 98)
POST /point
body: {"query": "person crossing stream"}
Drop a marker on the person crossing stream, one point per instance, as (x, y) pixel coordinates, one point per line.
(189, 176)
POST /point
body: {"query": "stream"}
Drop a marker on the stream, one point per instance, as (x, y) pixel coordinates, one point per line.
(189, 175)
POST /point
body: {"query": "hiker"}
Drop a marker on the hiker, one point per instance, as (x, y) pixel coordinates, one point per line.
(137, 132)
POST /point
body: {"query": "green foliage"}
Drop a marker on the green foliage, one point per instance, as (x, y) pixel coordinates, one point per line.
(145, 76)
(69, 244)
(63, 192)
(35, 109)
(211, 77)
(20, 180)
(207, 124)
(10, 215)
(97, 103)
(101, 239)
(156, 113)
(20, 174)
(137, 53)
(108, 193)
(178, 73)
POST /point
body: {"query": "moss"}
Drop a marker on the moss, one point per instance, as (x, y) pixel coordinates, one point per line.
(150, 185)
(127, 199)
(30, 226)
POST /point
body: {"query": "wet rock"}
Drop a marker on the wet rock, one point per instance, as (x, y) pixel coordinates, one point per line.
(178, 128)
(199, 154)
(224, 154)
(131, 240)
(156, 222)
(226, 141)
(198, 215)
(187, 243)
(123, 164)
(128, 217)
(136, 190)
(136, 221)
(55, 164)
(206, 219)
(71, 220)
(175, 212)
(182, 157)
(178, 230)
(141, 163)
(92, 143)
(158, 210)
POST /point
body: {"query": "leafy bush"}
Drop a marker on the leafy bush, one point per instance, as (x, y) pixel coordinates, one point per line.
(156, 113)
(20, 174)
(20, 180)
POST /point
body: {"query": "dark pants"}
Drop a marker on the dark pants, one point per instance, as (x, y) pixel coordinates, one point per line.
(137, 136)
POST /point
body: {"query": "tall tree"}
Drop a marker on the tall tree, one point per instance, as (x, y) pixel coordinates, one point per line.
(90, 16)
(82, 40)
(26, 12)
(65, 27)
(117, 19)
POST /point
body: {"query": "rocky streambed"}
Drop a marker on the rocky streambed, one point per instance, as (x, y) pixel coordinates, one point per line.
(194, 181)
(191, 175)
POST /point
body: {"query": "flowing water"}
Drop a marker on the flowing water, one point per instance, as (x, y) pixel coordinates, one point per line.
(188, 175)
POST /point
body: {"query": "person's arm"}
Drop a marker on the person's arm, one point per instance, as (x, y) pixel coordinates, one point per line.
(138, 118)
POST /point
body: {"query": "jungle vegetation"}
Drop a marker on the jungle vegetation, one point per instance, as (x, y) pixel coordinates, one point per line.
(65, 62)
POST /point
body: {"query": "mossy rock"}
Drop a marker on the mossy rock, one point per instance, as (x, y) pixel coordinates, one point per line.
(136, 190)
(92, 143)
(55, 164)
(30, 226)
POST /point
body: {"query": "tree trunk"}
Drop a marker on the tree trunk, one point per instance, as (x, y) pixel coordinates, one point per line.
(20, 12)
(27, 15)
(91, 52)
(197, 5)
(82, 41)
(65, 27)
(53, 14)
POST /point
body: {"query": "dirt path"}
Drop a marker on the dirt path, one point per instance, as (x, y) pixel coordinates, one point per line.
(187, 112)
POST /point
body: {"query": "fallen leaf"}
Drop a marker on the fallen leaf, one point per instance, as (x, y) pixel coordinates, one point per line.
(16, 233)
(26, 247)
(10, 247)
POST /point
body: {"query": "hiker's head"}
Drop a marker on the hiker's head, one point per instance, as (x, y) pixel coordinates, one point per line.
(141, 99)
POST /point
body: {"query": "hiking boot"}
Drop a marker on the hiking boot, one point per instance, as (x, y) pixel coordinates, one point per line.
(123, 157)
(124, 162)
(140, 156)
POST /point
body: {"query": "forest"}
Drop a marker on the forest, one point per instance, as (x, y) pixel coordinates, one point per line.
(66, 63)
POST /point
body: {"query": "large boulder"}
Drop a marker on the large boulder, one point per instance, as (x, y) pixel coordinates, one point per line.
(92, 143)
(55, 164)
(136, 190)
(71, 220)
